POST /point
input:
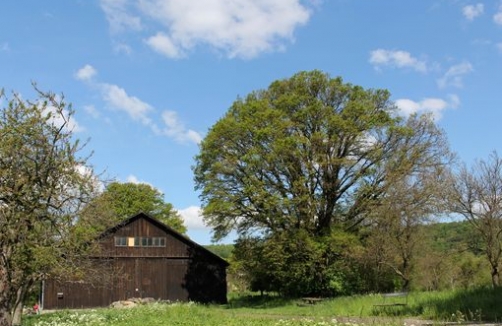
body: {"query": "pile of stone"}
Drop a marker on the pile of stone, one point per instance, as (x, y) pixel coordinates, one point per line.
(131, 303)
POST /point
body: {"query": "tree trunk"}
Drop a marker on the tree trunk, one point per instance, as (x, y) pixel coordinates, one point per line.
(17, 315)
(495, 277)
(5, 290)
(18, 306)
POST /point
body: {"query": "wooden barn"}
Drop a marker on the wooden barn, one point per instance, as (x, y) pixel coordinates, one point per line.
(142, 258)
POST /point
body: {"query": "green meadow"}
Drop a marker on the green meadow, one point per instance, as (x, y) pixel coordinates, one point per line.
(250, 310)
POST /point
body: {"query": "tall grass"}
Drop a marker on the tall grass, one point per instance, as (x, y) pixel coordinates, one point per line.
(251, 310)
(460, 305)
(455, 305)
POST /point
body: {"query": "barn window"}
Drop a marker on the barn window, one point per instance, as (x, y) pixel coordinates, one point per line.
(149, 242)
(120, 241)
(140, 241)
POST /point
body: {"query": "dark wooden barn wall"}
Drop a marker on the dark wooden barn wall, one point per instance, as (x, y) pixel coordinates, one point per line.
(142, 228)
(157, 278)
(176, 272)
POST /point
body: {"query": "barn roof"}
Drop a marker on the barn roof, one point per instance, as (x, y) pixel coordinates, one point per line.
(165, 228)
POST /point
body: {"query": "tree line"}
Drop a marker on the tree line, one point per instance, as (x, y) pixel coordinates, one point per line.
(450, 256)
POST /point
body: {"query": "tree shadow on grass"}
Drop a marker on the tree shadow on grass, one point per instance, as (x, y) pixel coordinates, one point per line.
(481, 304)
(258, 301)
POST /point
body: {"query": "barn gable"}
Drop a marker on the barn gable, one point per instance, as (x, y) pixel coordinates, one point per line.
(142, 257)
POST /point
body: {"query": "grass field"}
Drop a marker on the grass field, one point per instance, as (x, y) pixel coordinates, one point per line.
(452, 306)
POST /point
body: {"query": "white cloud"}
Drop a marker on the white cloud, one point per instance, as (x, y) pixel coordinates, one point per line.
(117, 98)
(140, 111)
(454, 101)
(88, 171)
(436, 106)
(193, 136)
(92, 111)
(119, 17)
(454, 76)
(175, 129)
(407, 107)
(473, 11)
(72, 124)
(85, 73)
(193, 218)
(63, 118)
(397, 59)
(236, 28)
(163, 44)
(133, 179)
(497, 18)
(122, 48)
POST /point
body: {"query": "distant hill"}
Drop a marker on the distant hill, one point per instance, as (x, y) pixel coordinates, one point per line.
(445, 236)
(451, 236)
(222, 250)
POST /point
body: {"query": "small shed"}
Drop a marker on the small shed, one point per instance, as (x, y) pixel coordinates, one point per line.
(142, 258)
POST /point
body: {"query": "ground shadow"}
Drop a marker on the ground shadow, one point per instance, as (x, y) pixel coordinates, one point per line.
(481, 304)
(257, 301)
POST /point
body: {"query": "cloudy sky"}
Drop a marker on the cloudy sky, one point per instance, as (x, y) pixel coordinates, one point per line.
(148, 78)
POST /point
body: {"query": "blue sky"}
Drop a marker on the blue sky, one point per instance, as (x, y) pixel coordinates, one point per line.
(148, 78)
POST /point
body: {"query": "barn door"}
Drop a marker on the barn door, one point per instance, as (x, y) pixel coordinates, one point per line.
(150, 278)
(130, 279)
(175, 273)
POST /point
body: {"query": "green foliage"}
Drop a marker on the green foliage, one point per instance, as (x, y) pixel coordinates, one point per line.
(454, 236)
(290, 165)
(298, 155)
(43, 184)
(123, 200)
(452, 259)
(298, 264)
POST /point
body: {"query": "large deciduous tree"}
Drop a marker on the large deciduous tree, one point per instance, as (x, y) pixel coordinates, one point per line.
(477, 196)
(122, 200)
(312, 154)
(43, 182)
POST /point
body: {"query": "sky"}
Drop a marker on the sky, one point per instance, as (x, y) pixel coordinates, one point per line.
(148, 78)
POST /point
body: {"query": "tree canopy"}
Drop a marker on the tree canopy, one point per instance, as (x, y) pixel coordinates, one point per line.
(299, 168)
(122, 200)
(43, 184)
(309, 152)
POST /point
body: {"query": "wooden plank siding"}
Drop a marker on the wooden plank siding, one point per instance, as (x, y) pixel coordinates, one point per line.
(179, 271)
(143, 228)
